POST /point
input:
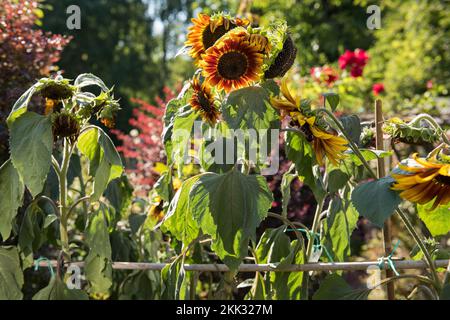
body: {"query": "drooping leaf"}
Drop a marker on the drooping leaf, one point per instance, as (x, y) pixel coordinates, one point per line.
(332, 99)
(98, 266)
(437, 220)
(352, 126)
(179, 219)
(11, 276)
(141, 285)
(88, 79)
(57, 290)
(249, 108)
(375, 200)
(105, 162)
(31, 145)
(229, 207)
(21, 105)
(11, 190)
(334, 287)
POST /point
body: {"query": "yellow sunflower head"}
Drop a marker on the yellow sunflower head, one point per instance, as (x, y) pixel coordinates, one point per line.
(202, 100)
(421, 180)
(206, 30)
(326, 144)
(232, 63)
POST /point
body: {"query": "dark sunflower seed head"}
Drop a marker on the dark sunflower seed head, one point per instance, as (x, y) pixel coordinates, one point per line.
(284, 61)
(65, 125)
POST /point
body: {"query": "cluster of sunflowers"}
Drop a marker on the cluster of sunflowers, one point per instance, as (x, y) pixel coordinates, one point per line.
(232, 54)
(70, 108)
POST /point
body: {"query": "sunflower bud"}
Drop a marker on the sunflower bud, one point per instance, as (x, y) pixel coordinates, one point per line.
(284, 60)
(65, 125)
(401, 131)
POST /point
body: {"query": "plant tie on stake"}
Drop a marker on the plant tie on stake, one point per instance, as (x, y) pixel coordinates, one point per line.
(317, 246)
(389, 261)
(49, 265)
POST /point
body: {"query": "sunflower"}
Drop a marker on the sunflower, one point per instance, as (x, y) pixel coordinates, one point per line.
(202, 100)
(423, 180)
(206, 30)
(49, 105)
(325, 144)
(232, 64)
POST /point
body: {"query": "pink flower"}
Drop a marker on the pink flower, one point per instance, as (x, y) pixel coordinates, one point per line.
(355, 61)
(377, 88)
(429, 84)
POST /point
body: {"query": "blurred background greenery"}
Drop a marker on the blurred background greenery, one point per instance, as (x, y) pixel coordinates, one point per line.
(132, 43)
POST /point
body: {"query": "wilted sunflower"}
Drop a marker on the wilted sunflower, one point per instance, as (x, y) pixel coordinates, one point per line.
(424, 180)
(202, 100)
(207, 30)
(232, 64)
(325, 144)
(284, 60)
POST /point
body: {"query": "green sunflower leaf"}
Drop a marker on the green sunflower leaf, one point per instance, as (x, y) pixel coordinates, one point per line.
(375, 200)
(229, 207)
(11, 189)
(437, 220)
(11, 276)
(31, 146)
(334, 287)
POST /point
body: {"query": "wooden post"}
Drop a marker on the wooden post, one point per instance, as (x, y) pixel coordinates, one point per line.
(387, 236)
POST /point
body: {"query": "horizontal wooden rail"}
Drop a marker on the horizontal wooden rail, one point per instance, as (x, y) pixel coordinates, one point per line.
(344, 266)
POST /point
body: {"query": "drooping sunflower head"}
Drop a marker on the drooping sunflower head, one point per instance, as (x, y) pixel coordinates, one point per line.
(401, 131)
(65, 125)
(232, 63)
(202, 100)
(288, 103)
(283, 61)
(329, 145)
(420, 180)
(56, 89)
(206, 30)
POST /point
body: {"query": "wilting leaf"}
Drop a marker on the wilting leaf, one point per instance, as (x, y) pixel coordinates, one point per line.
(172, 278)
(437, 220)
(119, 193)
(230, 207)
(88, 79)
(11, 277)
(21, 105)
(286, 190)
(105, 163)
(31, 146)
(375, 200)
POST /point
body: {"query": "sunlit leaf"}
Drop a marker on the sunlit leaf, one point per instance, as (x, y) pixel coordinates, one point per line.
(31, 147)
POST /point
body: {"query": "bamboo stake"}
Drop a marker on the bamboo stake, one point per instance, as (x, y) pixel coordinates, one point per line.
(335, 266)
(381, 171)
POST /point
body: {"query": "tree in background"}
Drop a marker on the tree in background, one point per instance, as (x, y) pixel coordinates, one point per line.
(411, 48)
(26, 54)
(125, 42)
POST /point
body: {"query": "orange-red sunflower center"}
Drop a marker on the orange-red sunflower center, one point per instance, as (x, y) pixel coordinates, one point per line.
(232, 65)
